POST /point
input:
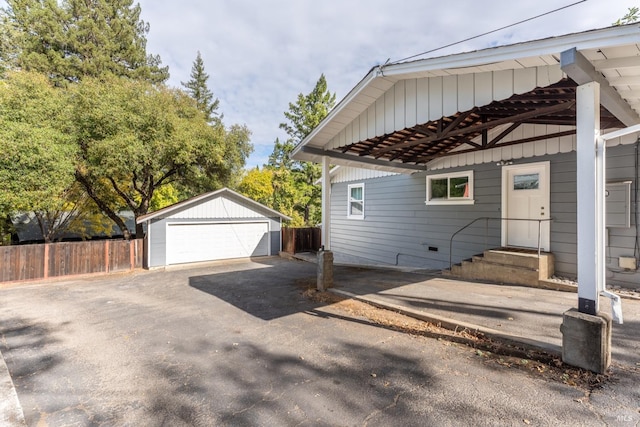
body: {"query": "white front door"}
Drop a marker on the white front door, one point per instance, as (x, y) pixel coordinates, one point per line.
(525, 196)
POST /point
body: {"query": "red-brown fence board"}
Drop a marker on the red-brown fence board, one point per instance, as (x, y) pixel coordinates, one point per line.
(19, 262)
(72, 258)
(28, 262)
(119, 255)
(306, 239)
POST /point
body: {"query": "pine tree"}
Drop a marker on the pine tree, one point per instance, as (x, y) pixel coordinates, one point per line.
(308, 111)
(198, 90)
(82, 38)
(632, 15)
(303, 116)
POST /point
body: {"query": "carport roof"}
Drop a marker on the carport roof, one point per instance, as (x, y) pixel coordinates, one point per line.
(610, 56)
(197, 199)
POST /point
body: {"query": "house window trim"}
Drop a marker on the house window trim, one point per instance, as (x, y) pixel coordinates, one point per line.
(349, 200)
(451, 201)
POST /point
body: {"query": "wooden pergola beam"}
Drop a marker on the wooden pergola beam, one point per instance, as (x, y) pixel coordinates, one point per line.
(478, 127)
(504, 144)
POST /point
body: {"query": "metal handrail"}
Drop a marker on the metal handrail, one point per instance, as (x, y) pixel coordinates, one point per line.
(487, 218)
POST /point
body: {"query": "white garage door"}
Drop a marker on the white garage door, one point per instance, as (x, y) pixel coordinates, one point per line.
(207, 242)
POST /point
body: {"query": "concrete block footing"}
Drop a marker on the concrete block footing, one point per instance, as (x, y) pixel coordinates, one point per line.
(325, 270)
(586, 340)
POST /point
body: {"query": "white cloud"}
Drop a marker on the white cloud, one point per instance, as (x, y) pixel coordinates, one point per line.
(262, 54)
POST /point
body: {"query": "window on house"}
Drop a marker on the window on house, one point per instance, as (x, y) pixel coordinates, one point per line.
(529, 181)
(355, 209)
(451, 188)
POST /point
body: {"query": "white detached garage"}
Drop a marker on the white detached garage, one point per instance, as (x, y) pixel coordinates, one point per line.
(218, 225)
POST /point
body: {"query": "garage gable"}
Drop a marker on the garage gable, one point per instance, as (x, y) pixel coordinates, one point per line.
(222, 203)
(217, 207)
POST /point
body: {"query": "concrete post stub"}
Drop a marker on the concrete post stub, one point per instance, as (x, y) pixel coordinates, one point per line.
(586, 340)
(325, 270)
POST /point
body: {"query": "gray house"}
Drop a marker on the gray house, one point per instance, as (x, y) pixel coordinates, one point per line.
(218, 225)
(531, 146)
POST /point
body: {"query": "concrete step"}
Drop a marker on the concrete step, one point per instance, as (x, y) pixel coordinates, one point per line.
(529, 259)
(512, 258)
(505, 265)
(497, 273)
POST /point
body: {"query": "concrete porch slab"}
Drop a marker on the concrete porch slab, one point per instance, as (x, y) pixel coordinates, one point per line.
(529, 316)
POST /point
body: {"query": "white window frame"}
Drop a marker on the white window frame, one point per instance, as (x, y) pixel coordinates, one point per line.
(451, 200)
(350, 200)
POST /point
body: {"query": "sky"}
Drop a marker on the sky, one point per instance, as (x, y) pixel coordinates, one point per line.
(260, 54)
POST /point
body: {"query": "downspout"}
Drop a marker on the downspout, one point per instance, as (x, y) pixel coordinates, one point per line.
(148, 238)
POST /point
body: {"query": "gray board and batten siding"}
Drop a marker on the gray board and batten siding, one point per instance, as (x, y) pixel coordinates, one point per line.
(399, 229)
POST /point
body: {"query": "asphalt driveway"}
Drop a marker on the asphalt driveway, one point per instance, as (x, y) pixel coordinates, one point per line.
(237, 343)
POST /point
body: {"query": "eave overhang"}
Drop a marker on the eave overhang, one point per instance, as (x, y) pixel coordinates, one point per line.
(484, 127)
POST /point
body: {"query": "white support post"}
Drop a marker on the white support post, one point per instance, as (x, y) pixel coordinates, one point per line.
(590, 191)
(326, 204)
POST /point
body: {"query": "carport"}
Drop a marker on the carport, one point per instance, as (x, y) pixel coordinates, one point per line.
(213, 226)
(404, 116)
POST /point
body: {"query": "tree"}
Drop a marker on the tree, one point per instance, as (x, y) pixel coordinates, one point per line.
(164, 196)
(295, 179)
(308, 111)
(8, 47)
(197, 88)
(281, 154)
(72, 211)
(78, 38)
(256, 185)
(632, 15)
(133, 135)
(37, 159)
(134, 138)
(285, 195)
(236, 140)
(36, 153)
(237, 148)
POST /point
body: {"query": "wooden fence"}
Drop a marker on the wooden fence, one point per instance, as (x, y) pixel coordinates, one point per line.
(296, 240)
(33, 262)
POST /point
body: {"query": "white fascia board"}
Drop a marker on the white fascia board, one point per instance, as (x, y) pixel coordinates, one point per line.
(621, 132)
(317, 158)
(594, 39)
(194, 200)
(373, 74)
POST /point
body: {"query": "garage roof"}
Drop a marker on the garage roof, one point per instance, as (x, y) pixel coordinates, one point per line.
(197, 199)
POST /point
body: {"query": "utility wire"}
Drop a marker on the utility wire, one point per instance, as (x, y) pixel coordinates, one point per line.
(487, 33)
